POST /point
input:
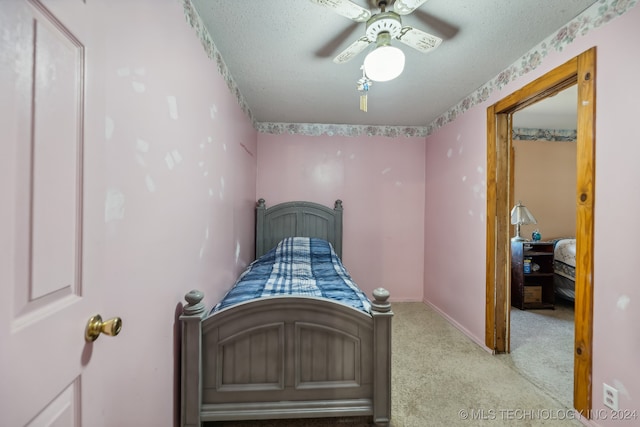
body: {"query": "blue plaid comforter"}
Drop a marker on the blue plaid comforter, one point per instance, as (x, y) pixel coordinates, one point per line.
(297, 266)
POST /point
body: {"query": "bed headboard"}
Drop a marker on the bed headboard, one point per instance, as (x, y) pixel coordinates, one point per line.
(304, 219)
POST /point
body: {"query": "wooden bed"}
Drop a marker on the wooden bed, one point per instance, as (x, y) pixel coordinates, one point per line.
(287, 356)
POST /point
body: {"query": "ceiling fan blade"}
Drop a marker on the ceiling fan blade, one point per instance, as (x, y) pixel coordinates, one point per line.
(346, 8)
(419, 40)
(438, 26)
(405, 7)
(330, 48)
(351, 51)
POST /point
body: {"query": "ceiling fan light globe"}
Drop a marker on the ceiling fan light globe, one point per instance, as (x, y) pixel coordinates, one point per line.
(384, 63)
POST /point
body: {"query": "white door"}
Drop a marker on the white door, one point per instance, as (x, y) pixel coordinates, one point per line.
(51, 112)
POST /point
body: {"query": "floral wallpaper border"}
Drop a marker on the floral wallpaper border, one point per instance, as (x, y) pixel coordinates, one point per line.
(531, 134)
(598, 14)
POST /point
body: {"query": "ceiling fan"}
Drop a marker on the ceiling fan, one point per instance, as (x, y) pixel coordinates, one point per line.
(381, 28)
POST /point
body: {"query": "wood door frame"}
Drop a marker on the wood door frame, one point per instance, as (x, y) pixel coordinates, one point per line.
(580, 70)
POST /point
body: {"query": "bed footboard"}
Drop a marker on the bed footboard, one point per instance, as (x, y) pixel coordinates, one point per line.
(285, 357)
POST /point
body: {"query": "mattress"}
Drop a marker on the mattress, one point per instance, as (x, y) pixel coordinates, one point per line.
(564, 267)
(300, 266)
(565, 258)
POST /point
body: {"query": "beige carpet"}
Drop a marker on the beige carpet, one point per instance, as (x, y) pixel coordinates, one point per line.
(542, 348)
(442, 378)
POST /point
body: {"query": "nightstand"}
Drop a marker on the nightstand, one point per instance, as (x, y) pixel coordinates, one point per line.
(532, 275)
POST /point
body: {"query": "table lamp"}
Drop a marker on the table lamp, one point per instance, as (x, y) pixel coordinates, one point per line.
(520, 215)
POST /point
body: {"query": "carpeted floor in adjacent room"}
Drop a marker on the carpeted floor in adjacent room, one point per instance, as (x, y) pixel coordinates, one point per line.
(542, 344)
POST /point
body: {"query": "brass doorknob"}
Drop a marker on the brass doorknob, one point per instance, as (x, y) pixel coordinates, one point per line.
(95, 326)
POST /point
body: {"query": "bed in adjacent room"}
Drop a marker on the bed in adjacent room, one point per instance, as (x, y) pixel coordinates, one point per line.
(564, 268)
(295, 337)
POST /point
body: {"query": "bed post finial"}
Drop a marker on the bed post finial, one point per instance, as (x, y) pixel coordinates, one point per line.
(194, 300)
(261, 203)
(338, 204)
(381, 304)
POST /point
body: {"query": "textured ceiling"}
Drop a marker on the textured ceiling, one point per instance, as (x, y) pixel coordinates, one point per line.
(280, 56)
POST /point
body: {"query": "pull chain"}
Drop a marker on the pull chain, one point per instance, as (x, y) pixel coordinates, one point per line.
(363, 86)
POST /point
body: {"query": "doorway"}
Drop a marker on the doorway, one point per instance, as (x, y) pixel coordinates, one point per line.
(544, 172)
(579, 70)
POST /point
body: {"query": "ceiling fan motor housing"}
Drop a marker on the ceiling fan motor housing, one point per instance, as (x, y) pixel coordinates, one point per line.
(380, 3)
(384, 22)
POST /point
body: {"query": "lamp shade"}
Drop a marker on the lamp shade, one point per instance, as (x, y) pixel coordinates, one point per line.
(520, 215)
(385, 62)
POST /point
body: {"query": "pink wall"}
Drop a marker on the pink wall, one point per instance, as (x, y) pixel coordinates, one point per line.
(460, 294)
(455, 207)
(178, 190)
(381, 183)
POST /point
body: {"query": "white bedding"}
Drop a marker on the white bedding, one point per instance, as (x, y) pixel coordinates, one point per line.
(564, 266)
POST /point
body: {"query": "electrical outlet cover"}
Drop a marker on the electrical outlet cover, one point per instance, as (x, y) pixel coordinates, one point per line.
(610, 396)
